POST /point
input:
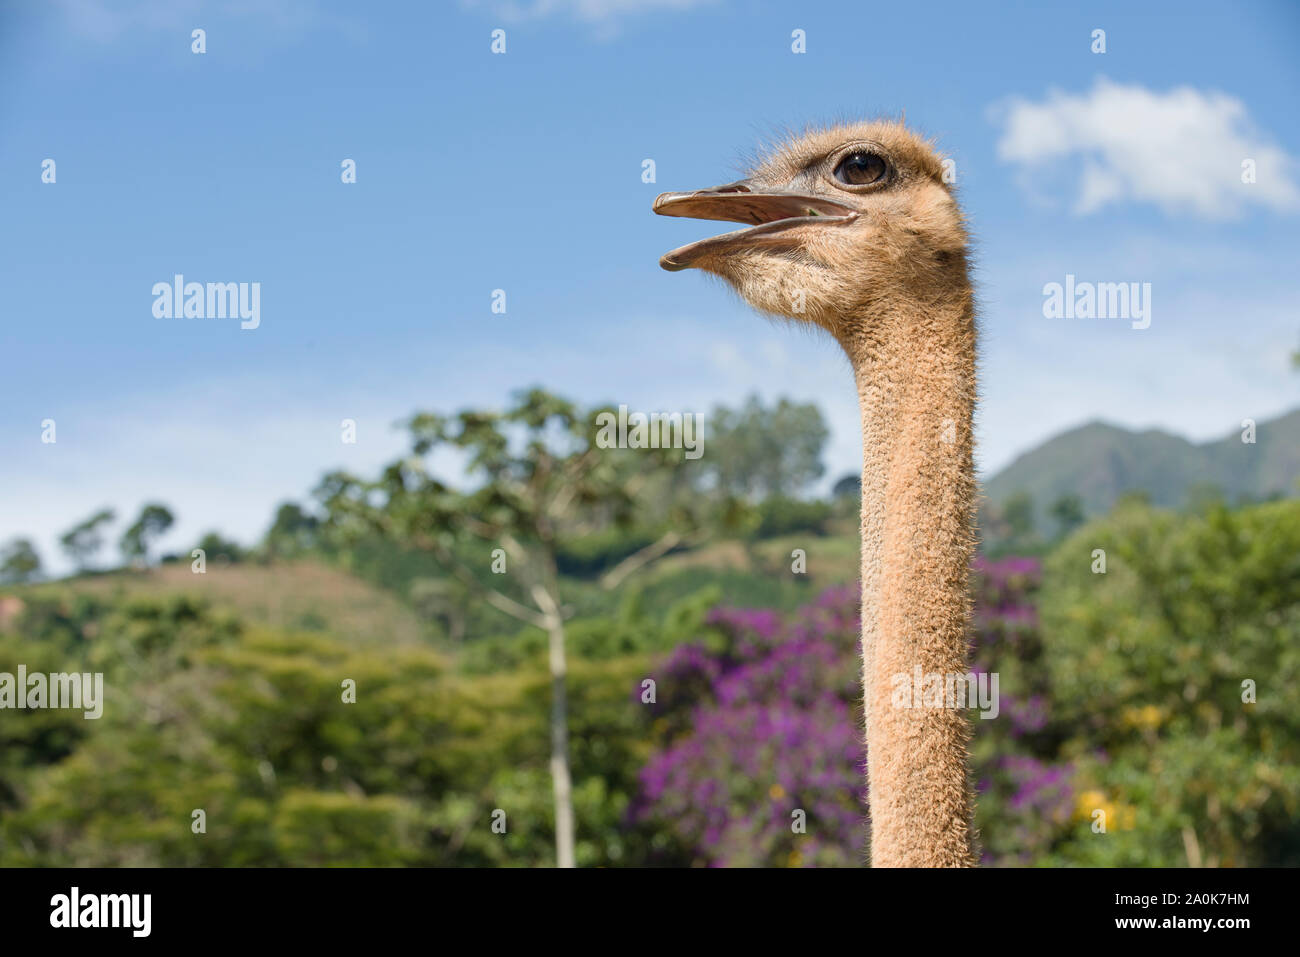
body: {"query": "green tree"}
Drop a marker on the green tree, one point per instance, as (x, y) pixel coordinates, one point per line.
(543, 482)
(1068, 512)
(218, 548)
(83, 541)
(19, 561)
(154, 520)
(758, 451)
(292, 532)
(1018, 513)
(443, 600)
(848, 486)
(1175, 671)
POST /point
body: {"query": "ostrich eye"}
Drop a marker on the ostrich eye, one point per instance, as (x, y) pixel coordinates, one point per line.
(859, 169)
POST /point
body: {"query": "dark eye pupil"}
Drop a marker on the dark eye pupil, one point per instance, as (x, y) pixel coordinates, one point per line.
(858, 169)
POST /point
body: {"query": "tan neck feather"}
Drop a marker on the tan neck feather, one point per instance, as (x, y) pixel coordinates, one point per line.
(915, 369)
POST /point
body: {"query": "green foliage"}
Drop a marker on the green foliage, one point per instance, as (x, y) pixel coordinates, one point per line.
(251, 727)
(1068, 513)
(786, 516)
(848, 486)
(133, 643)
(544, 480)
(292, 533)
(593, 554)
(1018, 513)
(322, 829)
(759, 451)
(544, 488)
(1127, 699)
(85, 539)
(34, 737)
(631, 630)
(1151, 662)
(154, 520)
(741, 588)
(216, 548)
(19, 562)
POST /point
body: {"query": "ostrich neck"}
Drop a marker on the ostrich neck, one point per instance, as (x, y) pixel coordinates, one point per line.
(915, 368)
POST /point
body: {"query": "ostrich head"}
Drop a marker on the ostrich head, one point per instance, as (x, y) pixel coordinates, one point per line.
(843, 219)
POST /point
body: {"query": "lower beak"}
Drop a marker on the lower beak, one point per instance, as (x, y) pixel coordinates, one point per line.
(771, 211)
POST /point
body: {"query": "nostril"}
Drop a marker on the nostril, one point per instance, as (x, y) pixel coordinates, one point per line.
(729, 188)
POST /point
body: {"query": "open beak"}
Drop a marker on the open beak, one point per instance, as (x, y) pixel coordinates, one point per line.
(771, 211)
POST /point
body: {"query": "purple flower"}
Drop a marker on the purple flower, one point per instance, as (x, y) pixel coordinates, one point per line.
(760, 758)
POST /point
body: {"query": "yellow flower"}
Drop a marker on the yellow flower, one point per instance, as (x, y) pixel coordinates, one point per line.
(1147, 716)
(1089, 801)
(1117, 816)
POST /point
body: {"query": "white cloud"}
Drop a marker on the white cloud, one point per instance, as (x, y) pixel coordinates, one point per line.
(1182, 150)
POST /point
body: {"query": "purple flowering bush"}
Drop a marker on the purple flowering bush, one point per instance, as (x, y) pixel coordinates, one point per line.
(763, 758)
(761, 719)
(1026, 795)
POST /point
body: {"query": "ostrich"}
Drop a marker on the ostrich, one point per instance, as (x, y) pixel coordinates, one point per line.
(854, 230)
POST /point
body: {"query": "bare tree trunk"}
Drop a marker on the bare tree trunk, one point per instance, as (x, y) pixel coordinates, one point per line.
(639, 559)
(560, 777)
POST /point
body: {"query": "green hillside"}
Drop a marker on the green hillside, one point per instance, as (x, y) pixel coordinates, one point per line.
(1100, 463)
(304, 595)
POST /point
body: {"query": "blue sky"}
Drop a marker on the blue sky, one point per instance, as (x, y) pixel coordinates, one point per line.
(522, 172)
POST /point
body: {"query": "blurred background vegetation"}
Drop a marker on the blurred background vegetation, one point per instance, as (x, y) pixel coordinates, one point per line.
(1156, 696)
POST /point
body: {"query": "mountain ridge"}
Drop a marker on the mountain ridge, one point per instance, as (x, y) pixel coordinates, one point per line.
(1100, 461)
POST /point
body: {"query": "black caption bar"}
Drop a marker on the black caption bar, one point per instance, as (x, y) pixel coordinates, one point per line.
(167, 907)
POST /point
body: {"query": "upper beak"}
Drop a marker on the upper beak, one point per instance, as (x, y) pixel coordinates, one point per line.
(771, 211)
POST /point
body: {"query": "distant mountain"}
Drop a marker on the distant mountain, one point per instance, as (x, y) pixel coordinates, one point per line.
(1100, 462)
